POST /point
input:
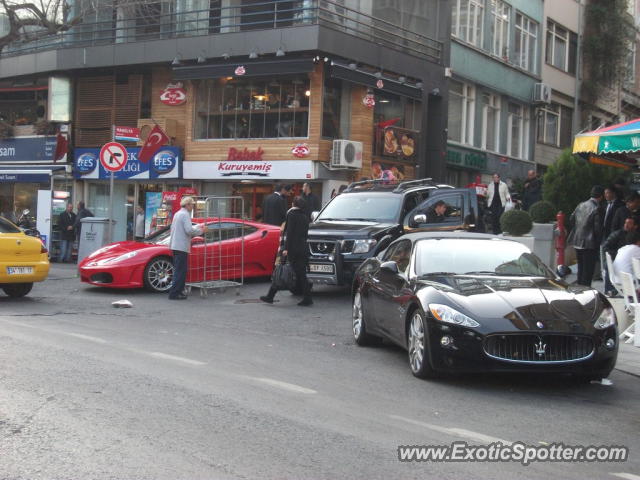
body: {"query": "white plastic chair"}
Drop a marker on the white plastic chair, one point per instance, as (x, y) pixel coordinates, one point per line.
(632, 305)
(612, 276)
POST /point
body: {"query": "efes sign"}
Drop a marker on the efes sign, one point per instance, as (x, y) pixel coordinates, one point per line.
(166, 163)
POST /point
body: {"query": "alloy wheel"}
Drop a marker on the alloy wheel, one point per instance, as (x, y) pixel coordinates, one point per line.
(159, 275)
(357, 315)
(416, 342)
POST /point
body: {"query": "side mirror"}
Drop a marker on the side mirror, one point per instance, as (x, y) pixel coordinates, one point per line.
(421, 218)
(390, 267)
(197, 240)
(26, 211)
(314, 215)
(562, 271)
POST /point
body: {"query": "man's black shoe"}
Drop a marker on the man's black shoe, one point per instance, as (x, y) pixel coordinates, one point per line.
(266, 299)
(178, 297)
(305, 303)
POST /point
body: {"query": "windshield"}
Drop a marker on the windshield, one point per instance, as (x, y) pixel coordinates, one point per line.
(470, 256)
(7, 227)
(370, 207)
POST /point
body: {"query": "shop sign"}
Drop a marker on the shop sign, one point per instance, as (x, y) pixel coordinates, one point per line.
(164, 161)
(399, 143)
(127, 134)
(28, 149)
(368, 100)
(173, 95)
(246, 154)
(244, 170)
(301, 150)
(467, 159)
(240, 70)
(86, 163)
(25, 177)
(167, 163)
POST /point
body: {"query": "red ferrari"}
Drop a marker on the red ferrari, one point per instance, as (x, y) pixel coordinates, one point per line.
(229, 249)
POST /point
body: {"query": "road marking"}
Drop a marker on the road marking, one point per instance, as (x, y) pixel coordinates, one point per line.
(627, 476)
(284, 385)
(88, 337)
(166, 356)
(457, 432)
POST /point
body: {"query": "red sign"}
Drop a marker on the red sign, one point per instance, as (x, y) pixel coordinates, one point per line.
(173, 95)
(301, 150)
(113, 156)
(131, 134)
(240, 71)
(368, 100)
(246, 154)
(379, 84)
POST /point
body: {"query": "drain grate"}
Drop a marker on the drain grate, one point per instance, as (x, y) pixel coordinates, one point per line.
(247, 300)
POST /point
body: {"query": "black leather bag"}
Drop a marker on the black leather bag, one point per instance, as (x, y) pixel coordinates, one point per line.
(284, 277)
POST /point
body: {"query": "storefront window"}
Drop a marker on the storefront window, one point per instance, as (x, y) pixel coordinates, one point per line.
(22, 108)
(336, 108)
(407, 111)
(252, 108)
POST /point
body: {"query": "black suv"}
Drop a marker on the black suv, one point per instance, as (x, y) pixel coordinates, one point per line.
(368, 215)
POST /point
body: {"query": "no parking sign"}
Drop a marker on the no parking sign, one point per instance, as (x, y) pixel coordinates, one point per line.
(113, 156)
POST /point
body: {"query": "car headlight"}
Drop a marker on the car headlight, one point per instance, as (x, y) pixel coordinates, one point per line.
(122, 257)
(447, 314)
(363, 246)
(606, 319)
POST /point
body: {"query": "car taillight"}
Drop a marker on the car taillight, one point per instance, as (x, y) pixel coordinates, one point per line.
(43, 249)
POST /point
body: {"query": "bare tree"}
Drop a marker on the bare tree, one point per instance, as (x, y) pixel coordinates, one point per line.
(25, 21)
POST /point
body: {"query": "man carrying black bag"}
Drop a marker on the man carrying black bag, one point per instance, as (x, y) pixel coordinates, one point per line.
(295, 251)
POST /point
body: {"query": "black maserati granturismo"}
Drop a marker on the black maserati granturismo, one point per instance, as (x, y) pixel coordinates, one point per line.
(468, 302)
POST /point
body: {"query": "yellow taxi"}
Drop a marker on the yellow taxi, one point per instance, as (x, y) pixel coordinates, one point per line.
(23, 260)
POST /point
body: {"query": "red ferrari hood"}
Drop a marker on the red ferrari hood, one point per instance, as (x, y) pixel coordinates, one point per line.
(117, 249)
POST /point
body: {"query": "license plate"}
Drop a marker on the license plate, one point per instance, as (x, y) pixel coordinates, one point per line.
(321, 268)
(19, 270)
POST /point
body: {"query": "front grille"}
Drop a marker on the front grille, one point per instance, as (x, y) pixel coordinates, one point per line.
(102, 278)
(321, 247)
(532, 348)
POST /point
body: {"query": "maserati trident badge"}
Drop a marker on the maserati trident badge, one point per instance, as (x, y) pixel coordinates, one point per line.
(541, 348)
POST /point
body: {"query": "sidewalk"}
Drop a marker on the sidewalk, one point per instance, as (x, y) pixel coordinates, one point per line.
(628, 355)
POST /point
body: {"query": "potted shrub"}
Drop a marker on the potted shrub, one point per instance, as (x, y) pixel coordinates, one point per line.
(543, 214)
(516, 224)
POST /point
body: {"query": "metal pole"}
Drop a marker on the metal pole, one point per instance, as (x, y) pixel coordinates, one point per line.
(110, 208)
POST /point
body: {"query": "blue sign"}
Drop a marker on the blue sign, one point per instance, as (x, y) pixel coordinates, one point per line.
(86, 163)
(167, 163)
(28, 149)
(164, 161)
(26, 177)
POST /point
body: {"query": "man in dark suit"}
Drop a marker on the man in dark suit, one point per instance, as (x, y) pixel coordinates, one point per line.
(631, 207)
(610, 206)
(67, 233)
(312, 202)
(274, 207)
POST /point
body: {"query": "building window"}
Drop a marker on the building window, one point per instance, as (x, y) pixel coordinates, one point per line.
(518, 131)
(526, 42)
(461, 112)
(252, 108)
(562, 48)
(554, 125)
(336, 108)
(467, 20)
(630, 76)
(501, 16)
(490, 122)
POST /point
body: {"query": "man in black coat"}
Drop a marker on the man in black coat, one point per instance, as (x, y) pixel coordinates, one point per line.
(631, 207)
(66, 222)
(532, 190)
(296, 251)
(312, 202)
(274, 206)
(83, 212)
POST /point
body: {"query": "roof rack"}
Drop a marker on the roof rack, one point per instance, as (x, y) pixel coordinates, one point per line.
(414, 183)
(379, 181)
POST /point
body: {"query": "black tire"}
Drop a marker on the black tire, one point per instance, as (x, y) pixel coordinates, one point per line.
(358, 323)
(17, 290)
(417, 344)
(158, 274)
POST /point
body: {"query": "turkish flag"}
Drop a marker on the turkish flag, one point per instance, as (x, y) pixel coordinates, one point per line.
(154, 141)
(62, 145)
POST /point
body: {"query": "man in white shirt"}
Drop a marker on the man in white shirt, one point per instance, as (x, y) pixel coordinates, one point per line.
(181, 232)
(622, 263)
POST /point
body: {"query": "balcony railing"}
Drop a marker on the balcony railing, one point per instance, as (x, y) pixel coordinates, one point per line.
(150, 22)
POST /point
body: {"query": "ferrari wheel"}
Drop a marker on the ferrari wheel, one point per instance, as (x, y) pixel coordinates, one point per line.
(158, 274)
(360, 334)
(17, 290)
(418, 355)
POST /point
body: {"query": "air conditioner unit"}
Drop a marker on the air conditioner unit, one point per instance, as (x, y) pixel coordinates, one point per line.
(541, 93)
(346, 154)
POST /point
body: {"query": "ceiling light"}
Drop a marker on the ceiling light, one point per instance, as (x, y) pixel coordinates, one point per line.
(280, 52)
(308, 93)
(353, 66)
(378, 74)
(176, 61)
(201, 59)
(326, 59)
(402, 79)
(419, 85)
(253, 55)
(226, 55)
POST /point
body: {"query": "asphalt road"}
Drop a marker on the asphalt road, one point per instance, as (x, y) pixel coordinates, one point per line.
(225, 387)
